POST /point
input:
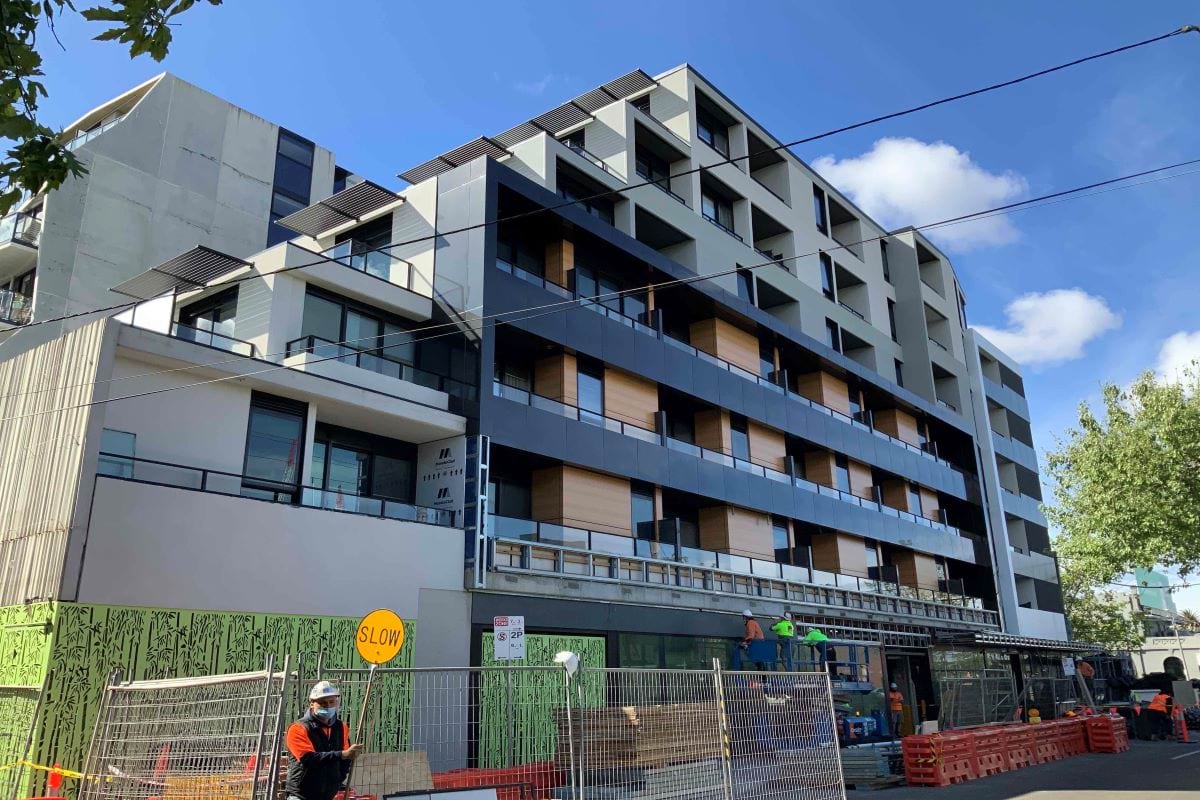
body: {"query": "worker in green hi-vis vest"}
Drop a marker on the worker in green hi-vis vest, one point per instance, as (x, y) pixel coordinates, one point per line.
(819, 642)
(785, 629)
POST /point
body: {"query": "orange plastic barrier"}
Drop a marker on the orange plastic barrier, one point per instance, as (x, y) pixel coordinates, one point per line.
(541, 776)
(939, 759)
(1107, 734)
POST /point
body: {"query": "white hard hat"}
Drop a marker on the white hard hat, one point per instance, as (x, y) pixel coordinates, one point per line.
(747, 613)
(894, 686)
(322, 690)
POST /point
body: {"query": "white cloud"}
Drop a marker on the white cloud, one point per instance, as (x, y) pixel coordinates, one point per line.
(903, 181)
(1051, 327)
(534, 87)
(1178, 352)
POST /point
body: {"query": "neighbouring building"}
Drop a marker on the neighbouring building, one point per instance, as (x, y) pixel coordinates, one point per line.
(626, 418)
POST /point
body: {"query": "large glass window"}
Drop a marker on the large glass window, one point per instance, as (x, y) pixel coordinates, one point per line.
(642, 511)
(766, 360)
(590, 282)
(379, 338)
(216, 313)
(827, 284)
(914, 499)
(322, 317)
(716, 208)
(274, 445)
(833, 336)
(820, 214)
(521, 255)
(892, 319)
(781, 541)
(572, 190)
(117, 449)
(712, 131)
(591, 391)
(739, 437)
(354, 463)
(841, 473)
(887, 269)
(293, 182)
(653, 168)
(509, 495)
(745, 285)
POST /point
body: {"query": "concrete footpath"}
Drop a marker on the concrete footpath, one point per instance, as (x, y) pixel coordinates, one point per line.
(1154, 770)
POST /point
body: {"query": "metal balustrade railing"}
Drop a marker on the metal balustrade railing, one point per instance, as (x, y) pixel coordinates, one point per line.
(379, 263)
(578, 554)
(724, 227)
(22, 228)
(15, 308)
(588, 155)
(232, 484)
(371, 360)
(211, 338)
(533, 400)
(769, 382)
(83, 137)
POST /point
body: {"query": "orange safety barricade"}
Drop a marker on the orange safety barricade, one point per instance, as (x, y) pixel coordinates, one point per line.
(939, 759)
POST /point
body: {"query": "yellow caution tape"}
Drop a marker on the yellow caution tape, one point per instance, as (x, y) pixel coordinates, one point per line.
(66, 773)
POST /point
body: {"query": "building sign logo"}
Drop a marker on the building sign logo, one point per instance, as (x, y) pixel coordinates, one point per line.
(441, 474)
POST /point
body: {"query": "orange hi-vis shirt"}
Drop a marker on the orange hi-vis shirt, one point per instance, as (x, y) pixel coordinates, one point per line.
(895, 701)
(753, 630)
(1159, 703)
(299, 745)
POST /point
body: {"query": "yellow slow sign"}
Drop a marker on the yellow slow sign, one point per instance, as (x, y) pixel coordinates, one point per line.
(380, 636)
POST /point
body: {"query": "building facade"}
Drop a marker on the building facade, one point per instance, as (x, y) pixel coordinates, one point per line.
(598, 377)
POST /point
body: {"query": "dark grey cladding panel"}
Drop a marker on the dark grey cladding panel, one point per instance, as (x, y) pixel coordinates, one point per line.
(683, 472)
(729, 390)
(805, 504)
(652, 462)
(706, 381)
(775, 412)
(754, 401)
(620, 455)
(585, 444)
(782, 498)
(617, 341)
(679, 372)
(587, 326)
(710, 478)
(737, 489)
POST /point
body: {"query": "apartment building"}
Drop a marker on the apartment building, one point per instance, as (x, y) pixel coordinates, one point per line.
(702, 387)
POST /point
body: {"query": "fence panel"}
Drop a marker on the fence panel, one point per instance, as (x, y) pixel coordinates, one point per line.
(210, 738)
(782, 739)
(20, 708)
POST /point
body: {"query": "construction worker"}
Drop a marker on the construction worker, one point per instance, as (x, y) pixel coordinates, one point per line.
(1160, 715)
(895, 709)
(753, 633)
(320, 747)
(785, 629)
(818, 641)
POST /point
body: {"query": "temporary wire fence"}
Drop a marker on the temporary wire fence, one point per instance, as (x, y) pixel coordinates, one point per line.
(975, 697)
(544, 733)
(207, 738)
(20, 711)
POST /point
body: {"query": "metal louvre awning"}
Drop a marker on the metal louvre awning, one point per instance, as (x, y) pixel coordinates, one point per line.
(988, 639)
(568, 115)
(190, 270)
(348, 205)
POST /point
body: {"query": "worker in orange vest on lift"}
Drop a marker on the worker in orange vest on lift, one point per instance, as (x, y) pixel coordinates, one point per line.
(1160, 715)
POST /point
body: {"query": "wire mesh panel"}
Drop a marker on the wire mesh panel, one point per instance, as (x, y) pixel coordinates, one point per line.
(781, 736)
(975, 697)
(644, 734)
(456, 728)
(209, 738)
(19, 711)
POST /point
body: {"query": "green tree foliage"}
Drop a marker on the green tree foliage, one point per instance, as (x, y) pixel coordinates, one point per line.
(38, 158)
(1127, 494)
(1100, 617)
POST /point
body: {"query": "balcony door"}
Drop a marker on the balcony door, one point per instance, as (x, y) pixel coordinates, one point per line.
(274, 448)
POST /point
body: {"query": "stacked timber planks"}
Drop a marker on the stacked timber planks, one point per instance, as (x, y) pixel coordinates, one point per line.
(639, 736)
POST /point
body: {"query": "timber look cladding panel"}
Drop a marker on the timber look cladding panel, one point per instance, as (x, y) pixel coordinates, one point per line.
(560, 261)
(723, 340)
(839, 552)
(768, 446)
(556, 377)
(629, 398)
(826, 390)
(712, 430)
(916, 569)
(728, 529)
(579, 498)
(898, 424)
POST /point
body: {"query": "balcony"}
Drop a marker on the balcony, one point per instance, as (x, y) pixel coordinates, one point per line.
(83, 137)
(380, 263)
(211, 338)
(752, 466)
(663, 187)
(15, 308)
(163, 473)
(19, 237)
(538, 548)
(574, 146)
(723, 227)
(325, 350)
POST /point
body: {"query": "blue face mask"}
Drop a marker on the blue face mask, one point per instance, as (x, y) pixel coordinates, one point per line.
(326, 715)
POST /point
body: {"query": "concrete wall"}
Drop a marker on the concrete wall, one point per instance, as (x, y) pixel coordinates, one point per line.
(159, 546)
(1040, 624)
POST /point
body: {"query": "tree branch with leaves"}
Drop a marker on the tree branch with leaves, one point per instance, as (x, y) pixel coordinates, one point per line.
(38, 159)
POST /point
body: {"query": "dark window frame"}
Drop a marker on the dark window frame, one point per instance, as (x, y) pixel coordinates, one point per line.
(712, 131)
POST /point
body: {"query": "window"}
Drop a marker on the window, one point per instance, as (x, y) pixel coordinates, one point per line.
(820, 214)
(766, 360)
(292, 186)
(642, 511)
(383, 341)
(716, 208)
(856, 403)
(572, 190)
(833, 336)
(899, 373)
(745, 285)
(681, 427)
(352, 463)
(509, 496)
(962, 311)
(522, 256)
(574, 140)
(922, 433)
(216, 313)
(642, 104)
(592, 283)
(914, 499)
(739, 437)
(892, 319)
(841, 473)
(781, 541)
(653, 168)
(712, 132)
(590, 378)
(828, 287)
(274, 446)
(883, 253)
(872, 558)
(340, 176)
(518, 376)
(117, 449)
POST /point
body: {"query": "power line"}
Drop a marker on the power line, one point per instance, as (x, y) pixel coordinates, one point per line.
(553, 308)
(733, 160)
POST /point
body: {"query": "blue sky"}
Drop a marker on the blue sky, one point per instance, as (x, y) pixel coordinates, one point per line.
(387, 85)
